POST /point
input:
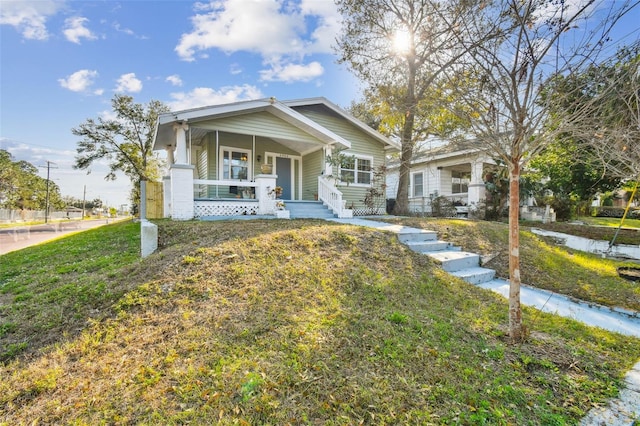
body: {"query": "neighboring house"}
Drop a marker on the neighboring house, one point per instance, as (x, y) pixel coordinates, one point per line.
(443, 171)
(459, 175)
(227, 160)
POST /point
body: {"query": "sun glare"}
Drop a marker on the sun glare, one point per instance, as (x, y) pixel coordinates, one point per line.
(402, 41)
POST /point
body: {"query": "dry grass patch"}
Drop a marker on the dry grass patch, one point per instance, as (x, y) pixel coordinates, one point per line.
(303, 322)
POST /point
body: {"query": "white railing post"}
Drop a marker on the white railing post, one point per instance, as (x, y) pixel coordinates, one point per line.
(332, 197)
(265, 183)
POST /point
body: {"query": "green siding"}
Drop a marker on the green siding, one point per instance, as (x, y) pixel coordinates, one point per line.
(269, 126)
(312, 166)
(260, 123)
(361, 144)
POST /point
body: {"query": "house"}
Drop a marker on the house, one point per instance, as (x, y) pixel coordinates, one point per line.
(457, 174)
(247, 158)
(460, 175)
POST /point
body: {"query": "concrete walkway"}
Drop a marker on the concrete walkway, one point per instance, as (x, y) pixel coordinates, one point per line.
(622, 411)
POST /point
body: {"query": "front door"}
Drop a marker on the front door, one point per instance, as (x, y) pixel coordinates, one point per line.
(283, 170)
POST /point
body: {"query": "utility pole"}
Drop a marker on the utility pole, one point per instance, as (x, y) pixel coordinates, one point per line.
(46, 207)
(84, 197)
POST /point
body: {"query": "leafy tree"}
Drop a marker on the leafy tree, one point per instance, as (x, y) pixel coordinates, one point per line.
(400, 48)
(526, 44)
(125, 141)
(22, 188)
(573, 173)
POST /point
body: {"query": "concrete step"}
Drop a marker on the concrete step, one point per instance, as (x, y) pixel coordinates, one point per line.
(417, 235)
(452, 261)
(308, 210)
(430, 246)
(477, 275)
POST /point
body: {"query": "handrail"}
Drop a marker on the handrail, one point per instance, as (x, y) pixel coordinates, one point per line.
(224, 182)
(332, 197)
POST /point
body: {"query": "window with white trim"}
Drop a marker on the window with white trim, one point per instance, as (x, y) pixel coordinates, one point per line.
(460, 182)
(234, 164)
(418, 184)
(356, 170)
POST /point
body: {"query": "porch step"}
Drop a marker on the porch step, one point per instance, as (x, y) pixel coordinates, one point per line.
(308, 210)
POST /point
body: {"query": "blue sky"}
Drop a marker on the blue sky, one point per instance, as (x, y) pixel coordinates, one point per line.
(62, 62)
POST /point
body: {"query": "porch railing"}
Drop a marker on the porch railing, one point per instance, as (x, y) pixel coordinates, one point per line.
(198, 185)
(332, 197)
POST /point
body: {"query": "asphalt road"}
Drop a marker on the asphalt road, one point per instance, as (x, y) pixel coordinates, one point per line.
(19, 237)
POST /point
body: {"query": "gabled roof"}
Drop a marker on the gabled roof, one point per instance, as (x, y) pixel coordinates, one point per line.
(344, 114)
(164, 135)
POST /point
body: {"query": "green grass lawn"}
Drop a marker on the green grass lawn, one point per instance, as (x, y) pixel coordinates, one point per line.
(282, 322)
(544, 265)
(611, 222)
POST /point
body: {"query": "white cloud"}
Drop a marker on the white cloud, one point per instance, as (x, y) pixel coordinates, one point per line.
(328, 26)
(75, 29)
(552, 11)
(204, 96)
(128, 31)
(174, 79)
(129, 83)
(270, 28)
(235, 69)
(108, 114)
(292, 72)
(79, 81)
(29, 17)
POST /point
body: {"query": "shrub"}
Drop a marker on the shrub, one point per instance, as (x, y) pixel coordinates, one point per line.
(443, 207)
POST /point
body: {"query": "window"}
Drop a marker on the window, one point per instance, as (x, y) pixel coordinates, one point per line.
(356, 170)
(418, 184)
(234, 164)
(460, 182)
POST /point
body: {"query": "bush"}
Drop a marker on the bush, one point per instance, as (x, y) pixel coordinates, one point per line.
(443, 207)
(564, 207)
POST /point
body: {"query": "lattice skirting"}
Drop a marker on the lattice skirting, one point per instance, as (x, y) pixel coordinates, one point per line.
(225, 208)
(368, 212)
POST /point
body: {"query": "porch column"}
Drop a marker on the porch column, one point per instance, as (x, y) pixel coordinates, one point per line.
(476, 186)
(181, 143)
(265, 183)
(166, 199)
(181, 176)
(328, 169)
(435, 186)
(170, 158)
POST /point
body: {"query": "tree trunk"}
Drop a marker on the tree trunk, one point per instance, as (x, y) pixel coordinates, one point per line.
(402, 196)
(516, 332)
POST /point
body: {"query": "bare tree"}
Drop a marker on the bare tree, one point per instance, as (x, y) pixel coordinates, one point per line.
(528, 43)
(400, 49)
(613, 129)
